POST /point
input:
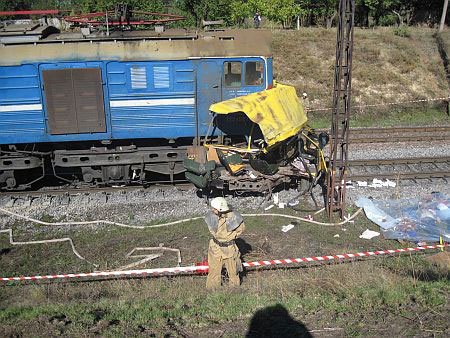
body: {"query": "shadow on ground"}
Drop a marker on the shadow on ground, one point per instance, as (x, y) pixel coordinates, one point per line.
(243, 246)
(275, 321)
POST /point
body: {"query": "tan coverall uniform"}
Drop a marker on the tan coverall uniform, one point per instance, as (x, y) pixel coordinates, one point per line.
(224, 254)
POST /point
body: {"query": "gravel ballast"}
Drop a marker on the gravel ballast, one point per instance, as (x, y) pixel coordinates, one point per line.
(169, 203)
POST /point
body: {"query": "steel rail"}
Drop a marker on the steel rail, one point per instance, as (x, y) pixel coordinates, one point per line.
(399, 138)
(353, 173)
(398, 134)
(401, 134)
(400, 168)
(398, 161)
(400, 129)
(74, 191)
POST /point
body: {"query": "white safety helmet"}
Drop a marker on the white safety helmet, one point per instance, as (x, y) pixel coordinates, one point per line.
(220, 204)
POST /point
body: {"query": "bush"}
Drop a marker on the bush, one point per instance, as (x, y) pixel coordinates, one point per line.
(402, 31)
(388, 20)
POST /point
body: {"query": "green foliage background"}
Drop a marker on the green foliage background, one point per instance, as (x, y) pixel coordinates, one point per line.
(282, 13)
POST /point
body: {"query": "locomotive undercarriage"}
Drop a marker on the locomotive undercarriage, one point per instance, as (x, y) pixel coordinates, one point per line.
(135, 164)
(123, 164)
(287, 175)
(20, 169)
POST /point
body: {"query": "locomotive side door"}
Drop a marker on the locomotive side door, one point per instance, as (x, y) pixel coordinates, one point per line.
(74, 98)
(209, 91)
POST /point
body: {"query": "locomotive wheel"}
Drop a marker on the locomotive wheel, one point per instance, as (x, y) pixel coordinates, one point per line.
(10, 182)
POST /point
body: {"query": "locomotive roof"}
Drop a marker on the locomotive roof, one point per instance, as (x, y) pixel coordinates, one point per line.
(51, 46)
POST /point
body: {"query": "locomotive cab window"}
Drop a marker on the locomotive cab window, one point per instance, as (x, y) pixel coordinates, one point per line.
(233, 74)
(254, 73)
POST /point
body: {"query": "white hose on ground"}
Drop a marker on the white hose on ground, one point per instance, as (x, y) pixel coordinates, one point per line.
(308, 220)
(45, 241)
(148, 257)
(100, 221)
(67, 239)
(173, 222)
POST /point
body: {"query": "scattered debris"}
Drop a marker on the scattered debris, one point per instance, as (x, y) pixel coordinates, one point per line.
(424, 219)
(252, 175)
(369, 234)
(376, 183)
(276, 198)
(286, 228)
(293, 203)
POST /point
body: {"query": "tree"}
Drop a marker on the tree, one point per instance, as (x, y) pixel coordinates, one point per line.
(380, 10)
(239, 11)
(88, 6)
(16, 5)
(326, 10)
(206, 9)
(280, 11)
(362, 13)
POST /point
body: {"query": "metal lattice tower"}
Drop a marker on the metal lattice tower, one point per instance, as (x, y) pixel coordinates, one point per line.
(336, 179)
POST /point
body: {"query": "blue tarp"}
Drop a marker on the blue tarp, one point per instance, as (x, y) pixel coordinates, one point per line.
(416, 219)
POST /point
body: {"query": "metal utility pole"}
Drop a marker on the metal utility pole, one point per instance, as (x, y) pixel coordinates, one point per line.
(444, 15)
(336, 179)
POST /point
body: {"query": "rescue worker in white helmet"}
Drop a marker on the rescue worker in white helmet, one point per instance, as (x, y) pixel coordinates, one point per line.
(225, 226)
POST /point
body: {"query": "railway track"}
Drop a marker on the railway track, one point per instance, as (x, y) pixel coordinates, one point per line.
(413, 169)
(68, 192)
(399, 134)
(400, 169)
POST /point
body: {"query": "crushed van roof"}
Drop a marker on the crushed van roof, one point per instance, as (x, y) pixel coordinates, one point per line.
(278, 111)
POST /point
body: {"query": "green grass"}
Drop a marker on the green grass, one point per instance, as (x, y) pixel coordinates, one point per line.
(343, 292)
(387, 289)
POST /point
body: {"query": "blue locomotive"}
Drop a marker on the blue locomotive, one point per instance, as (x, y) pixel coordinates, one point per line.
(114, 108)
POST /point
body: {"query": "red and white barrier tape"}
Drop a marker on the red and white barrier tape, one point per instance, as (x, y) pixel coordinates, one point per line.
(204, 268)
